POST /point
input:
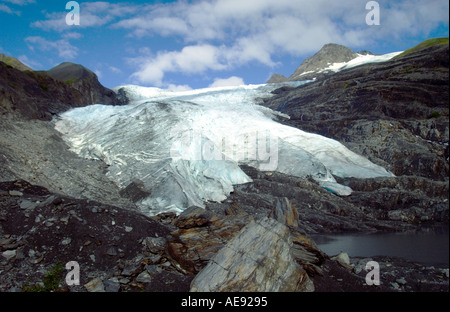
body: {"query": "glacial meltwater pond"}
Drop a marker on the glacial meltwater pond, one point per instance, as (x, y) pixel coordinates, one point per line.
(427, 246)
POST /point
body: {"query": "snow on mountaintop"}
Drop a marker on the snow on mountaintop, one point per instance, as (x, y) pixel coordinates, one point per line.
(185, 147)
(333, 58)
(360, 60)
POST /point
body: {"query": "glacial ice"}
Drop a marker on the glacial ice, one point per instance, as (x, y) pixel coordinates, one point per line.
(185, 148)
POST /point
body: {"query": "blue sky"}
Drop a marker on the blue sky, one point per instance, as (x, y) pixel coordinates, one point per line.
(194, 44)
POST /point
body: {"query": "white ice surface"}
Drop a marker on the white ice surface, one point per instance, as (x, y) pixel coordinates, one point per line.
(186, 147)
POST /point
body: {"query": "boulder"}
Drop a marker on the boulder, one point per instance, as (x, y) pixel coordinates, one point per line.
(194, 246)
(193, 217)
(258, 259)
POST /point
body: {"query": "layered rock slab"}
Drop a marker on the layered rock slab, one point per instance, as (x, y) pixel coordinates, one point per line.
(258, 259)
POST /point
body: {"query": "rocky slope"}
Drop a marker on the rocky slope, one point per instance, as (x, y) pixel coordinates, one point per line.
(394, 113)
(85, 81)
(119, 250)
(36, 95)
(13, 62)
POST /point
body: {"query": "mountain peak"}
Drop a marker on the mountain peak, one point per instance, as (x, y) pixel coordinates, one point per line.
(277, 78)
(68, 71)
(329, 54)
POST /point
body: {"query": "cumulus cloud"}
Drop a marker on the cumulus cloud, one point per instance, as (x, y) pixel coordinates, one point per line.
(177, 88)
(92, 14)
(20, 2)
(5, 8)
(190, 60)
(63, 47)
(29, 62)
(227, 82)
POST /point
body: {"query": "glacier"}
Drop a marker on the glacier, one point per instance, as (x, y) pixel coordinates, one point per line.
(185, 148)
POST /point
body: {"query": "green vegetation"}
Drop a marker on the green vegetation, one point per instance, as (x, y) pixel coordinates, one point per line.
(425, 44)
(69, 81)
(43, 87)
(435, 114)
(51, 280)
(13, 62)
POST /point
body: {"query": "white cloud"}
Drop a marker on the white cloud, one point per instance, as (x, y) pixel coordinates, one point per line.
(28, 62)
(7, 9)
(227, 82)
(414, 17)
(98, 73)
(190, 60)
(177, 88)
(92, 14)
(20, 2)
(115, 70)
(72, 35)
(63, 47)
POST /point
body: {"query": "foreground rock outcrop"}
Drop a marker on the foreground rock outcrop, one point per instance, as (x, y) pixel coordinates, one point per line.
(257, 259)
(119, 250)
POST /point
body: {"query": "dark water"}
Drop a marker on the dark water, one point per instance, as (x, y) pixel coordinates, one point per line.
(427, 246)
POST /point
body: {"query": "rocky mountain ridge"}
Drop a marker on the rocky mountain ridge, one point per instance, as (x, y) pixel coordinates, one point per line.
(315, 65)
(37, 95)
(13, 62)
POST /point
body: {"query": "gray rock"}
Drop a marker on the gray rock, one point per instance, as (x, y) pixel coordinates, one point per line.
(401, 281)
(193, 217)
(95, 285)
(258, 258)
(155, 244)
(112, 251)
(342, 258)
(131, 270)
(15, 193)
(66, 241)
(9, 254)
(28, 205)
(284, 212)
(111, 285)
(144, 277)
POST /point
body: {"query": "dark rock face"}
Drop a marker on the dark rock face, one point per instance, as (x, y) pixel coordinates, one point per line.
(84, 81)
(36, 95)
(394, 113)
